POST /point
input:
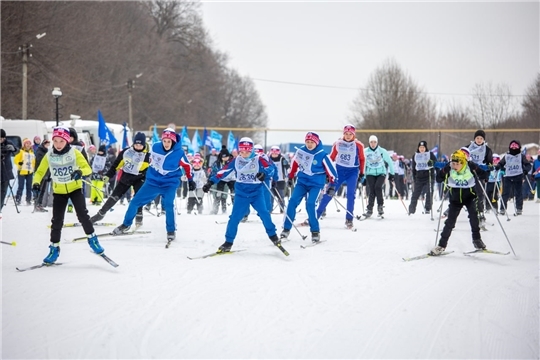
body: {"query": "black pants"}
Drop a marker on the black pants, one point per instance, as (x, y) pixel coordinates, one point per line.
(375, 185)
(513, 184)
(119, 190)
(400, 185)
(220, 197)
(469, 200)
(480, 193)
(60, 202)
(420, 186)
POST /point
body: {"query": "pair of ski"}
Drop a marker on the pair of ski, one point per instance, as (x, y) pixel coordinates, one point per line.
(279, 246)
(364, 217)
(468, 253)
(129, 232)
(79, 224)
(103, 256)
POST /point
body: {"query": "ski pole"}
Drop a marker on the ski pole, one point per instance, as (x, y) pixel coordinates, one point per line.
(13, 243)
(440, 212)
(496, 216)
(400, 199)
(530, 186)
(502, 202)
(344, 208)
(302, 236)
(335, 201)
(95, 187)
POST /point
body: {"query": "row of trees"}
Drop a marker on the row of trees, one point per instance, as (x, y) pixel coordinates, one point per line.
(392, 100)
(91, 49)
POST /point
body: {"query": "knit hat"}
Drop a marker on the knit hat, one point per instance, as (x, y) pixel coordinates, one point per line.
(275, 149)
(245, 144)
(2, 133)
(349, 128)
(373, 138)
(37, 138)
(258, 149)
(422, 143)
(313, 137)
(26, 140)
(481, 133)
(61, 132)
(225, 154)
(139, 139)
(466, 151)
(73, 134)
(168, 133)
(514, 144)
(459, 157)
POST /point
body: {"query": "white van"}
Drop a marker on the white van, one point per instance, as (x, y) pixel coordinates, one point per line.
(17, 130)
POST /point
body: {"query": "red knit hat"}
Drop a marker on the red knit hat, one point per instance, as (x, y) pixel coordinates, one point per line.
(62, 132)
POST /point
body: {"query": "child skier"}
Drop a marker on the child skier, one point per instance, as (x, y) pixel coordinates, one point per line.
(132, 162)
(25, 161)
(67, 166)
(480, 154)
(313, 166)
(162, 178)
(195, 197)
(250, 170)
(220, 196)
(491, 186)
(348, 154)
(460, 177)
(423, 176)
(278, 186)
(100, 165)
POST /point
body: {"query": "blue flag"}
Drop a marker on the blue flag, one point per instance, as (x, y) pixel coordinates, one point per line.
(231, 141)
(196, 142)
(206, 138)
(435, 151)
(125, 142)
(216, 139)
(155, 136)
(185, 139)
(106, 137)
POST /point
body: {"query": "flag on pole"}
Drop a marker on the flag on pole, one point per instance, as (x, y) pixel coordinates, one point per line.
(196, 142)
(206, 138)
(216, 139)
(435, 151)
(106, 137)
(185, 139)
(125, 141)
(155, 136)
(231, 141)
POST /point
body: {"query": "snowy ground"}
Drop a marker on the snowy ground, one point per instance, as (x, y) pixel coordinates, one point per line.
(350, 297)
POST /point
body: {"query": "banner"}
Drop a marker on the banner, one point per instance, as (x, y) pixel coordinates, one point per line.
(185, 139)
(216, 139)
(206, 138)
(231, 142)
(196, 142)
(155, 136)
(106, 137)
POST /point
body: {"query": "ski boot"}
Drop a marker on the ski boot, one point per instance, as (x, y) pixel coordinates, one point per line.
(138, 220)
(98, 217)
(380, 210)
(275, 240)
(315, 237)
(120, 230)
(54, 252)
(436, 251)
(94, 244)
(244, 219)
(368, 213)
(171, 235)
(225, 247)
(479, 244)
(285, 234)
(349, 224)
(502, 212)
(70, 208)
(519, 212)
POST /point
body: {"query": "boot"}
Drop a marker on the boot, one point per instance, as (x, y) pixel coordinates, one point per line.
(120, 230)
(275, 240)
(368, 213)
(315, 236)
(349, 224)
(285, 234)
(94, 244)
(54, 252)
(436, 251)
(479, 244)
(380, 209)
(171, 235)
(226, 247)
(138, 220)
(70, 208)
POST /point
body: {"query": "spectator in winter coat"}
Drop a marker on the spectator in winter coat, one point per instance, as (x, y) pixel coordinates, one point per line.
(35, 145)
(460, 177)
(6, 172)
(348, 154)
(25, 161)
(250, 171)
(41, 151)
(423, 176)
(313, 167)
(515, 166)
(377, 160)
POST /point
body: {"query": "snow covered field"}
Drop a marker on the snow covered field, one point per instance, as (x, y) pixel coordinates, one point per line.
(350, 297)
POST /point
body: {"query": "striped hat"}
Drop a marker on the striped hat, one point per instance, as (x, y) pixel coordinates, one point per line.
(313, 137)
(168, 133)
(245, 144)
(62, 132)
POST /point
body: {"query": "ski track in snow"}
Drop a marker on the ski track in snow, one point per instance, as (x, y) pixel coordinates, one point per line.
(351, 297)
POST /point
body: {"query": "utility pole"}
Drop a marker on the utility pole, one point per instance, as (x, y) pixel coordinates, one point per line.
(130, 86)
(25, 49)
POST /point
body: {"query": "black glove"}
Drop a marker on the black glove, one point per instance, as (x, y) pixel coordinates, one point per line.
(10, 147)
(331, 191)
(20, 163)
(390, 177)
(35, 190)
(206, 187)
(360, 178)
(274, 184)
(260, 176)
(290, 182)
(191, 185)
(76, 175)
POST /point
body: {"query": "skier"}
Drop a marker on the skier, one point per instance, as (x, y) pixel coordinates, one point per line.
(460, 177)
(422, 170)
(220, 196)
(67, 166)
(195, 197)
(495, 177)
(99, 165)
(313, 166)
(480, 154)
(348, 154)
(250, 171)
(133, 162)
(162, 178)
(375, 172)
(278, 186)
(515, 166)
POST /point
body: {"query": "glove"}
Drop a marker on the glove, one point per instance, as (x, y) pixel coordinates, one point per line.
(331, 190)
(106, 179)
(20, 163)
(440, 164)
(274, 184)
(260, 176)
(390, 177)
(290, 182)
(206, 187)
(35, 187)
(361, 179)
(191, 185)
(76, 175)
(10, 147)
(184, 178)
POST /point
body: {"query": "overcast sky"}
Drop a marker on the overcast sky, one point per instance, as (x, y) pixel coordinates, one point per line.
(446, 48)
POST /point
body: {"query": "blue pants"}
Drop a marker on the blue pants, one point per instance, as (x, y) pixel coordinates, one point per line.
(267, 195)
(146, 194)
(351, 181)
(311, 193)
(241, 208)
